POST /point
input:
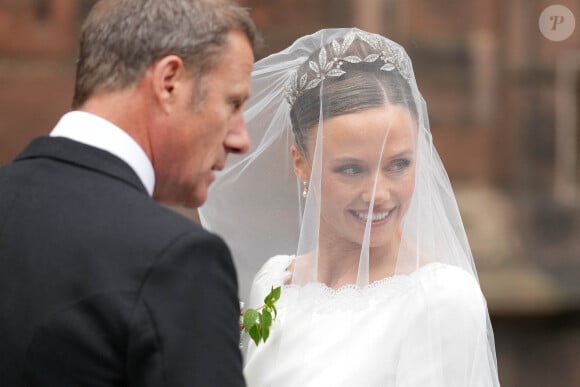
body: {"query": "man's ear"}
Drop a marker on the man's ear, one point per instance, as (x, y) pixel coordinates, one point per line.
(301, 165)
(170, 81)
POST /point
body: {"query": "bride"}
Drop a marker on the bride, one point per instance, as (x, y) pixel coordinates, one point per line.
(379, 284)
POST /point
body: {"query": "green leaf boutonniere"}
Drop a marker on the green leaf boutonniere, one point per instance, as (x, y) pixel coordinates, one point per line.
(257, 322)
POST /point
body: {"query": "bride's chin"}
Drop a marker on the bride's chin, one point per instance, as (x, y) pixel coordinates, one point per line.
(384, 239)
(376, 243)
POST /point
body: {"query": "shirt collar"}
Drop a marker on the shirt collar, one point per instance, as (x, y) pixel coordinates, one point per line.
(95, 131)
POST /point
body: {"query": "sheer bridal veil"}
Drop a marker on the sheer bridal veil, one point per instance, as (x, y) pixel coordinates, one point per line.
(343, 177)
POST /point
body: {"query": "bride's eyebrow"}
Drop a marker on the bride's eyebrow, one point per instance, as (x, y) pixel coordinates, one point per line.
(346, 160)
(401, 154)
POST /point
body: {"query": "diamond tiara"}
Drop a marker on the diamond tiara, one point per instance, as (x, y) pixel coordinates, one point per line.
(332, 57)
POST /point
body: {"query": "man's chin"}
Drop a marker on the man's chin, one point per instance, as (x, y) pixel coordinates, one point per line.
(192, 201)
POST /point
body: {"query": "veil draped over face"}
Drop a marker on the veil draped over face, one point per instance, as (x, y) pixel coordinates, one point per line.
(344, 188)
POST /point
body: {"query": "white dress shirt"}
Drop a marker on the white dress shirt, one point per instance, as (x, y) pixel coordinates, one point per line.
(95, 131)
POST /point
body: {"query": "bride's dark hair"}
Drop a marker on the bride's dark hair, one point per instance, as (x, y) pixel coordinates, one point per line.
(363, 86)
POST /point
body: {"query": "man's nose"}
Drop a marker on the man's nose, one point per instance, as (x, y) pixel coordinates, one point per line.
(238, 138)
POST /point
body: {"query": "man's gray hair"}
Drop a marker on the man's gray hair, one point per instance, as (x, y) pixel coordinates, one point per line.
(120, 39)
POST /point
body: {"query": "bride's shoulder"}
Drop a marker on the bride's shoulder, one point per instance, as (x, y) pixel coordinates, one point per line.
(447, 275)
(448, 284)
(275, 265)
(274, 272)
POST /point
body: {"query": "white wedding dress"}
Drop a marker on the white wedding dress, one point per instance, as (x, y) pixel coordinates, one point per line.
(394, 341)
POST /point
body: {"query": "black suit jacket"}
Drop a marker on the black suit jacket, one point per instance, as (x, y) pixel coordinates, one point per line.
(102, 286)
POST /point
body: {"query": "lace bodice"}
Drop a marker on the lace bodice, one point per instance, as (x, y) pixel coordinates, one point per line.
(387, 315)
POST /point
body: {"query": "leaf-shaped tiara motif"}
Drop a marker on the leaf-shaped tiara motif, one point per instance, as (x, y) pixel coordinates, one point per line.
(330, 63)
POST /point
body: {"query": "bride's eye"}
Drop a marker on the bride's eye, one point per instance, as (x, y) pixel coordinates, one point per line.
(399, 165)
(350, 170)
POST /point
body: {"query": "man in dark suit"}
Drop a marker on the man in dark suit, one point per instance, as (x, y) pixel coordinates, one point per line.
(99, 284)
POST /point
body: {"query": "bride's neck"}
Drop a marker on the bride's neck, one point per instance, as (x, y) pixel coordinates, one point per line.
(337, 266)
(338, 261)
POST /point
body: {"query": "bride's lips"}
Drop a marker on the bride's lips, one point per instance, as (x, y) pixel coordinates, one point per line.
(378, 217)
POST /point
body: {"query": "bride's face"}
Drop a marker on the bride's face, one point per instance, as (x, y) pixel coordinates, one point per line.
(359, 150)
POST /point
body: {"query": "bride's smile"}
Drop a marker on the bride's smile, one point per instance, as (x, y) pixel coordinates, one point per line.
(378, 217)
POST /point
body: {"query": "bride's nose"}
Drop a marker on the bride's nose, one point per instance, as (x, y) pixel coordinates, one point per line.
(382, 193)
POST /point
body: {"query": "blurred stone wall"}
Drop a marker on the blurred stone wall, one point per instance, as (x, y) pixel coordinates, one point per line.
(37, 55)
